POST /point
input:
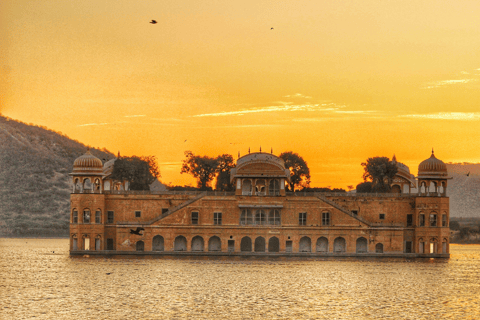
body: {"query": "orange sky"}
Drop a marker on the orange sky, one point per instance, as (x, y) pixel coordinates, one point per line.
(335, 81)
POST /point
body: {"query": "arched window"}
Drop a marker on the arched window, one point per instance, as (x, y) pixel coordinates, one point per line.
(274, 187)
(433, 219)
(98, 216)
(106, 185)
(86, 243)
(246, 218)
(379, 248)
(158, 243)
(86, 216)
(260, 244)
(274, 217)
(78, 186)
(74, 243)
(140, 246)
(246, 244)
(273, 244)
(260, 187)
(96, 185)
(362, 245)
(396, 189)
(247, 187)
(339, 245)
(260, 217)
(322, 244)
(87, 184)
(180, 244)
(445, 245)
(433, 245)
(433, 187)
(305, 244)
(197, 244)
(98, 243)
(74, 216)
(421, 246)
(214, 244)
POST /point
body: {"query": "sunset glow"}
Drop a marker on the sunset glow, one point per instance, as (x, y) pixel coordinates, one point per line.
(335, 81)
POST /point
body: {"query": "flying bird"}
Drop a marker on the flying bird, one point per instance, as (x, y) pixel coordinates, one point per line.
(137, 232)
(153, 21)
(271, 28)
(468, 174)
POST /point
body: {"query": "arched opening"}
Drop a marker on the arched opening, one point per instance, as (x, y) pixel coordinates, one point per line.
(260, 187)
(246, 218)
(86, 216)
(96, 185)
(87, 184)
(246, 244)
(322, 244)
(197, 244)
(423, 187)
(78, 186)
(406, 188)
(396, 189)
(180, 244)
(74, 243)
(443, 188)
(273, 244)
(339, 245)
(86, 243)
(274, 217)
(140, 246)
(260, 244)
(445, 245)
(260, 218)
(106, 185)
(421, 246)
(379, 248)
(362, 245)
(214, 244)
(433, 245)
(158, 243)
(247, 187)
(98, 243)
(433, 187)
(305, 245)
(274, 187)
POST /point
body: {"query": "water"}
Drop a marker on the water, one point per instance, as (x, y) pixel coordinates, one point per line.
(39, 280)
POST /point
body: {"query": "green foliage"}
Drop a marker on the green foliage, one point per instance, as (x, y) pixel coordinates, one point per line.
(323, 190)
(225, 163)
(139, 171)
(203, 168)
(364, 187)
(299, 171)
(454, 225)
(380, 171)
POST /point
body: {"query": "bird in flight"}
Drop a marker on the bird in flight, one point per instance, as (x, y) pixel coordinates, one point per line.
(468, 173)
(137, 231)
(153, 21)
(271, 28)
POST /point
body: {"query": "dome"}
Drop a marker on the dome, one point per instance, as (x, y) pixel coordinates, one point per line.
(432, 168)
(87, 163)
(260, 164)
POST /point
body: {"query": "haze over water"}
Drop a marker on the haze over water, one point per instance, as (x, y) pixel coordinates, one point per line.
(38, 279)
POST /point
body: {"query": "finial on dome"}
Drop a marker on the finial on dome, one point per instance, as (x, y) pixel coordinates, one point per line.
(238, 154)
(118, 156)
(271, 150)
(260, 148)
(394, 159)
(432, 150)
(249, 150)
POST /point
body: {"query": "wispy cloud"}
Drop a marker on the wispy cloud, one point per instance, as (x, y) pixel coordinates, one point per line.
(297, 95)
(302, 107)
(442, 83)
(356, 111)
(464, 72)
(464, 116)
(136, 116)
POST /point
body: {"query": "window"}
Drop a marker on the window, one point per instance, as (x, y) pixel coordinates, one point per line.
(302, 218)
(433, 220)
(325, 218)
(274, 217)
(109, 216)
(444, 220)
(274, 188)
(408, 246)
(246, 217)
(110, 243)
(164, 210)
(421, 220)
(75, 216)
(409, 220)
(138, 214)
(86, 216)
(260, 217)
(98, 216)
(381, 216)
(194, 217)
(355, 212)
(217, 218)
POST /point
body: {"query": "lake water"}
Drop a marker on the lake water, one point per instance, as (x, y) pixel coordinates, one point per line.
(38, 279)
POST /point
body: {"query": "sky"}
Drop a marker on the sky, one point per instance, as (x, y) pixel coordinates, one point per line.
(335, 81)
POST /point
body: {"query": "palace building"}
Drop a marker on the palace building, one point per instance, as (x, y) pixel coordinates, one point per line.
(260, 217)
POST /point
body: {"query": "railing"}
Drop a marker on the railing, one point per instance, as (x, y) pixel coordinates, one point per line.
(348, 194)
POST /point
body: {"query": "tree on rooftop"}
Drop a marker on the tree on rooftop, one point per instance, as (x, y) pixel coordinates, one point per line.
(225, 162)
(380, 172)
(140, 172)
(299, 171)
(203, 168)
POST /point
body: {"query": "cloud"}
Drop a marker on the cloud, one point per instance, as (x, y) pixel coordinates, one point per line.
(92, 124)
(464, 116)
(302, 107)
(356, 111)
(442, 83)
(297, 95)
(464, 72)
(136, 116)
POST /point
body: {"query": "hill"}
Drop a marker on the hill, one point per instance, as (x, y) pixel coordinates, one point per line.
(463, 190)
(34, 181)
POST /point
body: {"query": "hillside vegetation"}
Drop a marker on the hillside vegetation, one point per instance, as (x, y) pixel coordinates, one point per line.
(34, 181)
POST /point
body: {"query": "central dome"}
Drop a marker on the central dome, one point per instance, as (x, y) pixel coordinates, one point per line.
(432, 167)
(87, 163)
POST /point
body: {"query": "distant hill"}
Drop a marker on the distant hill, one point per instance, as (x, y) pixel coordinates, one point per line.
(463, 190)
(34, 181)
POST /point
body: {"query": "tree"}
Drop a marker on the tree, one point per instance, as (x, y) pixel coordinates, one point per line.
(139, 171)
(299, 172)
(364, 187)
(380, 171)
(225, 162)
(454, 225)
(202, 168)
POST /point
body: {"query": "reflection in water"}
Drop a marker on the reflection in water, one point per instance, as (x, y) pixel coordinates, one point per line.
(39, 279)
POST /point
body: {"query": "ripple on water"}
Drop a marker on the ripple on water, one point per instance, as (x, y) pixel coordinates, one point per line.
(35, 282)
